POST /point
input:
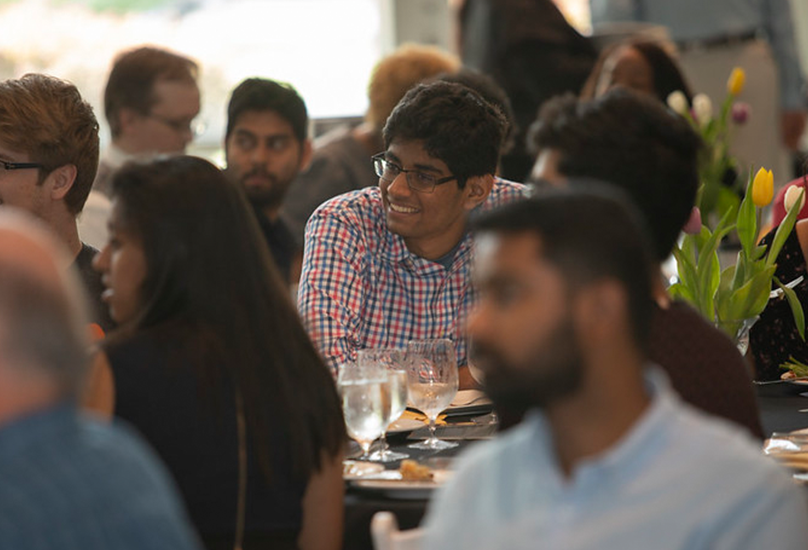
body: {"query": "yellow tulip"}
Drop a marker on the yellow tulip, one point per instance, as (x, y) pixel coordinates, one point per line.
(737, 78)
(763, 187)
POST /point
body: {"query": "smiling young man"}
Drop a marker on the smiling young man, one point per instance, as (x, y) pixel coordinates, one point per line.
(389, 264)
(48, 159)
(267, 145)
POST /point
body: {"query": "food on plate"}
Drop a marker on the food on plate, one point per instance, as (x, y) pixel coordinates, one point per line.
(412, 471)
(795, 369)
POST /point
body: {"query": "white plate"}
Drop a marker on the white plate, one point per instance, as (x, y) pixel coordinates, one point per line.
(358, 469)
(403, 489)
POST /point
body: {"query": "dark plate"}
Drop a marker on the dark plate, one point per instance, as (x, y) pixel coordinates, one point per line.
(781, 388)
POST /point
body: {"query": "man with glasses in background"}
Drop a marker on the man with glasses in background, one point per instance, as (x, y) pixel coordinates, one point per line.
(151, 102)
(48, 159)
(388, 264)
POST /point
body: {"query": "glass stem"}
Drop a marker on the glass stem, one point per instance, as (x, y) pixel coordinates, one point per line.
(432, 428)
(383, 448)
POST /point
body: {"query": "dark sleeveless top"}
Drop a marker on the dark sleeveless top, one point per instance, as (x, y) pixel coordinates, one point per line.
(158, 391)
(774, 337)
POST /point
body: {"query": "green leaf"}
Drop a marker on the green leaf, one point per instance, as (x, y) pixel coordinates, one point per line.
(796, 308)
(681, 292)
(747, 221)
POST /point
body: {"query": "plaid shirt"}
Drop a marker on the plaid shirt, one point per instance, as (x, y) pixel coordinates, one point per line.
(361, 287)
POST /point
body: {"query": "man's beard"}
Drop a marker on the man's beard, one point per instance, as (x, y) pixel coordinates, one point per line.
(553, 370)
(265, 197)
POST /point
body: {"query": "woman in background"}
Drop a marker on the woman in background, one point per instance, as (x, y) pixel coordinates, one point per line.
(212, 365)
(638, 64)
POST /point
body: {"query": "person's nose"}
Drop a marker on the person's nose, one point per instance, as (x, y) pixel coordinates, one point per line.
(101, 259)
(399, 187)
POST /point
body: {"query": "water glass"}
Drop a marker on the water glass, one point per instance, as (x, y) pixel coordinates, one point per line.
(362, 392)
(390, 361)
(432, 383)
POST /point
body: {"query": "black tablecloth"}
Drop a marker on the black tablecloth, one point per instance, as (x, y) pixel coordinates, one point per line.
(362, 504)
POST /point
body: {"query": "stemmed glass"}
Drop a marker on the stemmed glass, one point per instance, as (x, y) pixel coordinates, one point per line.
(394, 396)
(362, 390)
(432, 383)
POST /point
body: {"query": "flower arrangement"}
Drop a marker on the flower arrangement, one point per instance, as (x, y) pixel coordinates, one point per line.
(733, 298)
(717, 171)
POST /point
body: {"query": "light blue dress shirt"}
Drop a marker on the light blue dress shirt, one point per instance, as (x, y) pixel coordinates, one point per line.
(677, 480)
(72, 483)
(700, 19)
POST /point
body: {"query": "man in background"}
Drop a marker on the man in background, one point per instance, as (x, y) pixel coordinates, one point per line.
(150, 102)
(341, 160)
(66, 481)
(48, 159)
(609, 456)
(632, 141)
(266, 146)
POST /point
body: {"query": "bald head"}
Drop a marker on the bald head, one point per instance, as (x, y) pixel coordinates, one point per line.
(43, 346)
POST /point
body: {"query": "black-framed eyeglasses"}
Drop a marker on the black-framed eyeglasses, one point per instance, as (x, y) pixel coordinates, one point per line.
(416, 180)
(195, 127)
(19, 165)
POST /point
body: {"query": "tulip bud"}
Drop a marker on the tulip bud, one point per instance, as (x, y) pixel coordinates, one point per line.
(703, 108)
(693, 225)
(737, 78)
(740, 112)
(763, 187)
(794, 192)
(677, 101)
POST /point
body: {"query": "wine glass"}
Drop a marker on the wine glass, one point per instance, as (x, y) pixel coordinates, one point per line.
(361, 389)
(432, 383)
(394, 396)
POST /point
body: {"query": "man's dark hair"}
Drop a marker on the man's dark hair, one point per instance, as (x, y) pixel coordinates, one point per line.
(455, 124)
(490, 91)
(591, 232)
(261, 94)
(131, 81)
(631, 141)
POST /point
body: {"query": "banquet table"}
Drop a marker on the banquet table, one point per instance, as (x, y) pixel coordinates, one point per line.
(783, 408)
(361, 504)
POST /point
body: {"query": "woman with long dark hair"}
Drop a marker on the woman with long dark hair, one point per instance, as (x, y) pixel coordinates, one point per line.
(212, 365)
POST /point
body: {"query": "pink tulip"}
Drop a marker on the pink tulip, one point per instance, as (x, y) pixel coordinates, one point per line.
(693, 225)
(740, 112)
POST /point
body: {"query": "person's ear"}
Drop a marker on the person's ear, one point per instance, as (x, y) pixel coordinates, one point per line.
(601, 308)
(61, 181)
(477, 190)
(127, 118)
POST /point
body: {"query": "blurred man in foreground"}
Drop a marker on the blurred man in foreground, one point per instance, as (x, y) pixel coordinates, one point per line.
(609, 456)
(66, 481)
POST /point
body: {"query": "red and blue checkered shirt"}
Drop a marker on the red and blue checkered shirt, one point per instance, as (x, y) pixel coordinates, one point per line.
(361, 288)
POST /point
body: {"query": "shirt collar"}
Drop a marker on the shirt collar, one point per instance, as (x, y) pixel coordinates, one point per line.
(639, 444)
